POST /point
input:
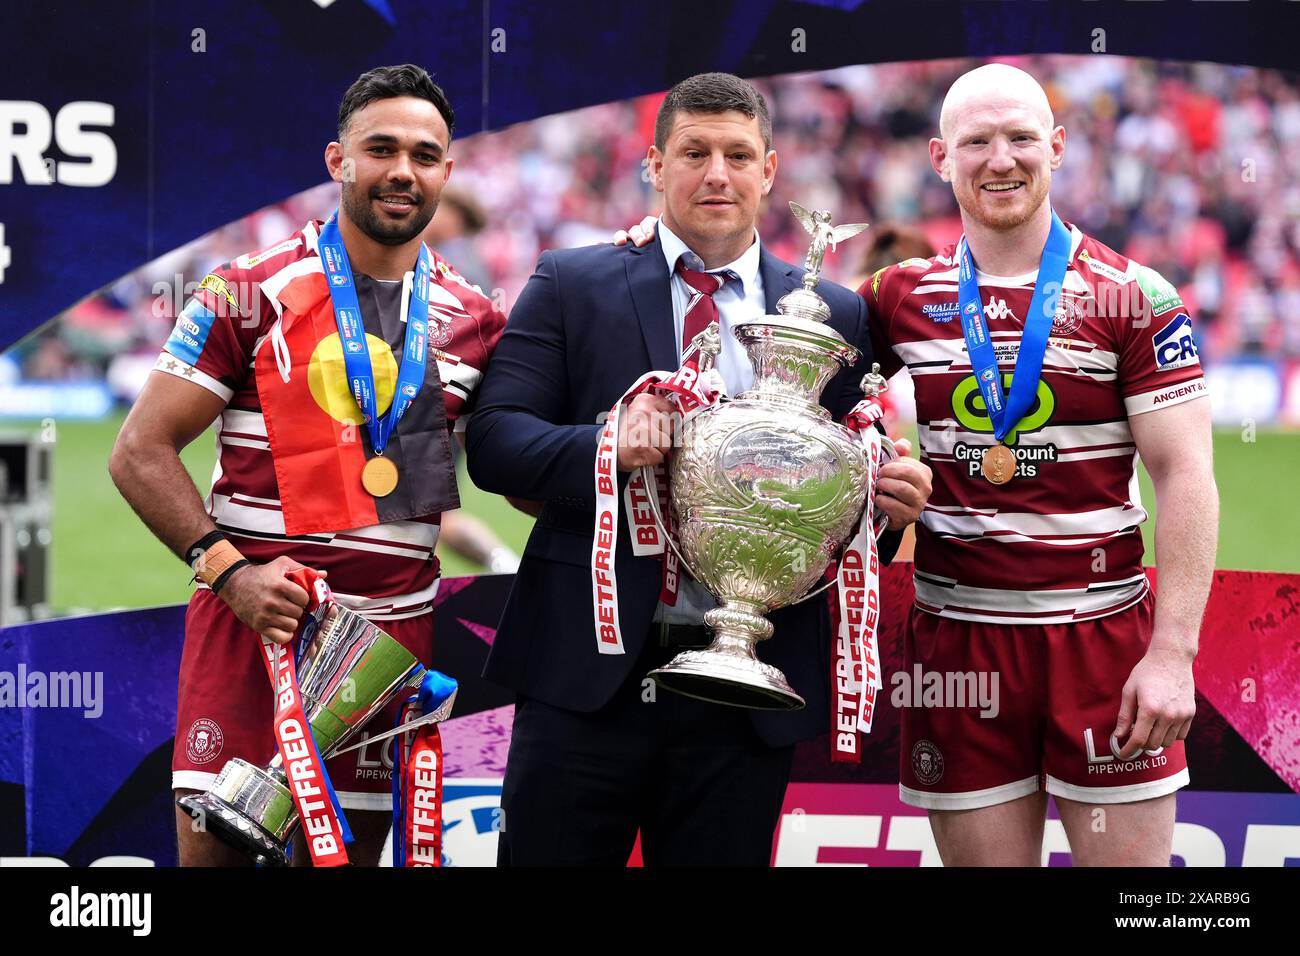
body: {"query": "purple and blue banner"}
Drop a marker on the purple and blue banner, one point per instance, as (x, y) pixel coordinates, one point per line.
(88, 708)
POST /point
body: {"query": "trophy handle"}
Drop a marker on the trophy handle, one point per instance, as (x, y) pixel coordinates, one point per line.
(646, 474)
(437, 716)
(812, 594)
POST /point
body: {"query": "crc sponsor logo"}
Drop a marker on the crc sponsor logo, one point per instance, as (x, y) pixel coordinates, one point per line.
(940, 311)
(1174, 346)
(354, 346)
(971, 308)
(339, 280)
(409, 390)
(1112, 762)
(204, 741)
(27, 131)
(927, 763)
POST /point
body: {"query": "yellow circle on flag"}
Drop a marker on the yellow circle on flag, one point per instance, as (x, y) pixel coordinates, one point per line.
(327, 377)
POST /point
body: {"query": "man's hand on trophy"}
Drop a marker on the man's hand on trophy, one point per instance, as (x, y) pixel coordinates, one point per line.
(640, 234)
(645, 431)
(265, 600)
(903, 488)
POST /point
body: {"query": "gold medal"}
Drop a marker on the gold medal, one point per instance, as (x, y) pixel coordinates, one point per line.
(999, 464)
(379, 477)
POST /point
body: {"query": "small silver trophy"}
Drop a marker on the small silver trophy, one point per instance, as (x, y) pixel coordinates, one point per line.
(349, 670)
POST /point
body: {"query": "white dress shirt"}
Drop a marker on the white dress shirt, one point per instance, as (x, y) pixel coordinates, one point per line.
(739, 300)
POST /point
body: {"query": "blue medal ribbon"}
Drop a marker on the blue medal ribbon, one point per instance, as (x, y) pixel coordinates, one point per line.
(1005, 413)
(434, 690)
(356, 355)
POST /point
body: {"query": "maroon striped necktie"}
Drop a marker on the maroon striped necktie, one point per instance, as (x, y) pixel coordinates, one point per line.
(701, 309)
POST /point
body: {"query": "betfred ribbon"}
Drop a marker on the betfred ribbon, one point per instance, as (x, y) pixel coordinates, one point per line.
(418, 774)
(689, 390)
(323, 824)
(855, 666)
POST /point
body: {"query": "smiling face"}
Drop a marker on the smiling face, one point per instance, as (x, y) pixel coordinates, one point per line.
(392, 164)
(998, 149)
(713, 172)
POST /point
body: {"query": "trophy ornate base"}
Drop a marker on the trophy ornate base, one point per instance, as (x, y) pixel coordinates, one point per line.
(248, 809)
(728, 671)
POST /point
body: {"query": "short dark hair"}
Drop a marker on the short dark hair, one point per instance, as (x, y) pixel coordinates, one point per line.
(385, 82)
(712, 93)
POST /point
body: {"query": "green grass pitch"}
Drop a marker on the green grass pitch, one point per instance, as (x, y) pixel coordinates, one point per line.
(103, 557)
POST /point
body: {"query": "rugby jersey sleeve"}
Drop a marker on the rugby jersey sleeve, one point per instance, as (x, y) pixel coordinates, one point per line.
(882, 295)
(1159, 365)
(213, 339)
(464, 328)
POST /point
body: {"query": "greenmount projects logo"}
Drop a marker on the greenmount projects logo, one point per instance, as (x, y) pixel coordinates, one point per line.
(971, 413)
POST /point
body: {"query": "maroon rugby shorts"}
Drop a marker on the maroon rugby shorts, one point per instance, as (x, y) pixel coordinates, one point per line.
(1046, 721)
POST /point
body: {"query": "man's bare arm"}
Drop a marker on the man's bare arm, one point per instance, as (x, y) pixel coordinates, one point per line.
(146, 467)
(145, 463)
(1158, 700)
(1176, 447)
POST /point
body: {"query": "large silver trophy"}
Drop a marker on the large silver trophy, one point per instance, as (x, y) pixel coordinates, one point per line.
(766, 488)
(348, 671)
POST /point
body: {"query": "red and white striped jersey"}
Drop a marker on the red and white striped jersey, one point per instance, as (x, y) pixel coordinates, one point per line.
(386, 570)
(1060, 541)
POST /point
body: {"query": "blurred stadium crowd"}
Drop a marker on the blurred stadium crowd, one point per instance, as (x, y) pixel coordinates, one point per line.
(1193, 169)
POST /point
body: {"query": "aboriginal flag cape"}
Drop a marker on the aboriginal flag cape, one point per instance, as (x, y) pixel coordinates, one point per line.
(319, 443)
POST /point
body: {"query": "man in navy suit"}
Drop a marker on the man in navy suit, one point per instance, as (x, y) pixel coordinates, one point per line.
(596, 753)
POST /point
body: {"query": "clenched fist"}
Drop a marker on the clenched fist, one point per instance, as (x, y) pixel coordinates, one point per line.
(645, 432)
(903, 488)
(265, 600)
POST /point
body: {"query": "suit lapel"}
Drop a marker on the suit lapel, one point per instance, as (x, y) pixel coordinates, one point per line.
(778, 278)
(648, 280)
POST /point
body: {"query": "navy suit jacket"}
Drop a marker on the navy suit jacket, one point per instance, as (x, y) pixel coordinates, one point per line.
(587, 325)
